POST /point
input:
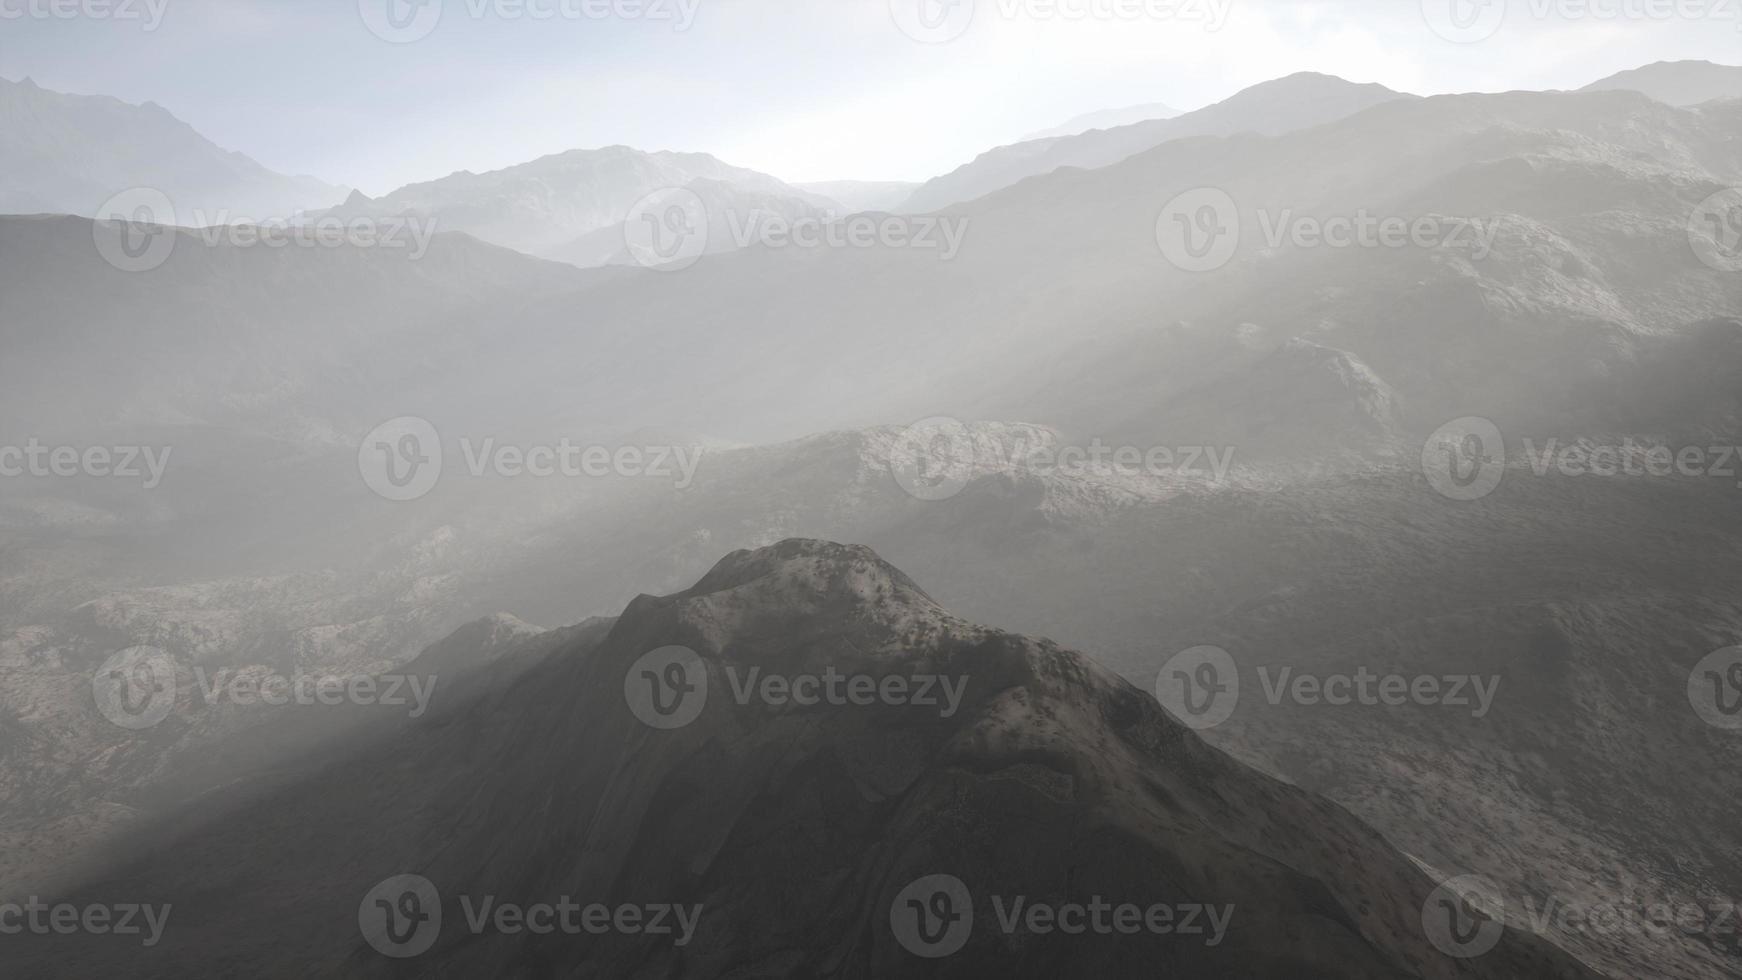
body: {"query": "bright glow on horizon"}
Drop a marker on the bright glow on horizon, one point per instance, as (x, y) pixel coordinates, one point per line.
(806, 91)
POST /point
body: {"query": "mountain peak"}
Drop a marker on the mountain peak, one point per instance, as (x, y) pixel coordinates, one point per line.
(809, 565)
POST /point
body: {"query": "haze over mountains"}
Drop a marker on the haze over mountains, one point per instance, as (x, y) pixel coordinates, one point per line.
(1573, 280)
(551, 205)
(1106, 119)
(68, 154)
(1682, 83)
(1050, 779)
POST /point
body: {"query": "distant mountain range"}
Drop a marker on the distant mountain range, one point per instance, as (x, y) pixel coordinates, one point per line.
(1587, 311)
(555, 205)
(1679, 83)
(1106, 119)
(68, 154)
(1269, 109)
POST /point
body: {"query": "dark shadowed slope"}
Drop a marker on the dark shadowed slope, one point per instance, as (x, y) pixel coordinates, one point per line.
(797, 830)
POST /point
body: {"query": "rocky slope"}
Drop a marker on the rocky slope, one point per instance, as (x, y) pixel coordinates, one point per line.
(796, 835)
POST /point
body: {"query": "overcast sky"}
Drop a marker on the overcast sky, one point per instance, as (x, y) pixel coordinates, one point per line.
(803, 89)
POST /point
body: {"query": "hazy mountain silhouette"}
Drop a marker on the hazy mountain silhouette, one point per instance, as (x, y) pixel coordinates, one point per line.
(68, 154)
